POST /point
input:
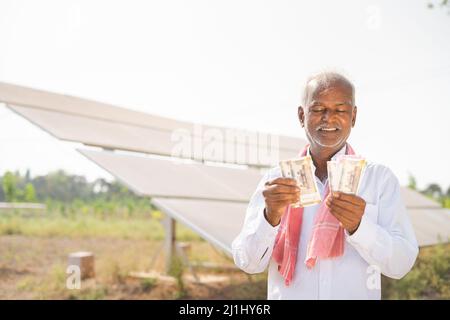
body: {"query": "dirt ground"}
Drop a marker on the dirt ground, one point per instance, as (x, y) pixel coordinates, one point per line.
(35, 268)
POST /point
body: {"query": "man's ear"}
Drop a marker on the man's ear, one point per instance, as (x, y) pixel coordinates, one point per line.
(301, 116)
(354, 112)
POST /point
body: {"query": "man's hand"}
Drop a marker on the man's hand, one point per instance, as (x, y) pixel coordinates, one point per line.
(347, 208)
(278, 194)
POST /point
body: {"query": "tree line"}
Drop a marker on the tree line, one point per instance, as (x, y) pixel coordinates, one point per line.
(59, 186)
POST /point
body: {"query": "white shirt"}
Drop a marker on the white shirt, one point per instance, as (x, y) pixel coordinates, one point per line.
(384, 242)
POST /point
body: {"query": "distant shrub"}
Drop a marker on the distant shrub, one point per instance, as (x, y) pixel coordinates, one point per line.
(429, 278)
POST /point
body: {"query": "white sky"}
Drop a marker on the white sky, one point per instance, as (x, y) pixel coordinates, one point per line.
(234, 63)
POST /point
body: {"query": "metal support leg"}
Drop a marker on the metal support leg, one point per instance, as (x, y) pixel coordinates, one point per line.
(169, 241)
(182, 249)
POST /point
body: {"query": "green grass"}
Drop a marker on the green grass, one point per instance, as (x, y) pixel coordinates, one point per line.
(429, 278)
(148, 284)
(82, 225)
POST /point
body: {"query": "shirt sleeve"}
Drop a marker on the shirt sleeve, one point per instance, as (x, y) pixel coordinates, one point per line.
(388, 241)
(252, 248)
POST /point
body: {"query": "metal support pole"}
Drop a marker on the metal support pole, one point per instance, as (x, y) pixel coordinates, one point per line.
(169, 241)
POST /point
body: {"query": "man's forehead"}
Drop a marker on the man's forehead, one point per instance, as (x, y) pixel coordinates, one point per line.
(335, 92)
(318, 89)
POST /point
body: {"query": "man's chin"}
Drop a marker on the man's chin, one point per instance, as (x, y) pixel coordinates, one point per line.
(326, 142)
(329, 144)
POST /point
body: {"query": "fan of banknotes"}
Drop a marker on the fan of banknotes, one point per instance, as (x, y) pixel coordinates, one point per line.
(344, 174)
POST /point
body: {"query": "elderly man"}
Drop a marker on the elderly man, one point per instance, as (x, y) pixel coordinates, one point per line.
(377, 236)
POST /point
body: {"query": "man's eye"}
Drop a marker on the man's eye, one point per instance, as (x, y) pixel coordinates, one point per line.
(318, 109)
(341, 110)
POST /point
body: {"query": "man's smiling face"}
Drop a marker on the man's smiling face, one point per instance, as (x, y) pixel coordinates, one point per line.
(328, 115)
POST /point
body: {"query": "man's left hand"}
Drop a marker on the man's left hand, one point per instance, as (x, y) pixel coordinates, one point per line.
(347, 208)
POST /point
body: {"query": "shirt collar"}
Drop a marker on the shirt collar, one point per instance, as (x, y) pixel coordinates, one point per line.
(340, 152)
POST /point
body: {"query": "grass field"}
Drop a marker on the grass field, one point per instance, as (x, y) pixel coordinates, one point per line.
(34, 249)
(34, 268)
(81, 226)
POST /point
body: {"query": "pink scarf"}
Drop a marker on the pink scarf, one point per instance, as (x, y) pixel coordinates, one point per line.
(327, 238)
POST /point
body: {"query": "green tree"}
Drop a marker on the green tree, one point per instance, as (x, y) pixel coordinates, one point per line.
(440, 3)
(30, 193)
(412, 184)
(61, 186)
(433, 190)
(9, 187)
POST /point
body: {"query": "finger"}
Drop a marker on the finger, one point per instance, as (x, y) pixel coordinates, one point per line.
(268, 196)
(343, 215)
(284, 181)
(328, 200)
(280, 204)
(343, 205)
(344, 221)
(282, 197)
(279, 188)
(349, 198)
(331, 201)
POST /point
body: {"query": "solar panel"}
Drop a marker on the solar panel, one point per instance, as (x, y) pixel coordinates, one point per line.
(431, 226)
(98, 124)
(40, 99)
(175, 179)
(413, 199)
(218, 222)
(98, 132)
(123, 136)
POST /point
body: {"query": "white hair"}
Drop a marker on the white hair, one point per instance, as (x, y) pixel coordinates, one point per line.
(324, 80)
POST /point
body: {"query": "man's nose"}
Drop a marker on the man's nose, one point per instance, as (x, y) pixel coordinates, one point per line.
(326, 115)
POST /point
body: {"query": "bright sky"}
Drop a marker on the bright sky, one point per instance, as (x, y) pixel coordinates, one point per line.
(234, 63)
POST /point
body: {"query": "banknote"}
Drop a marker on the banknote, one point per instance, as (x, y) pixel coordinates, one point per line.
(301, 170)
(333, 169)
(345, 174)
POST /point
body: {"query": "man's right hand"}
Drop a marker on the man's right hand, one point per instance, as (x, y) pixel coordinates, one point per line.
(278, 194)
